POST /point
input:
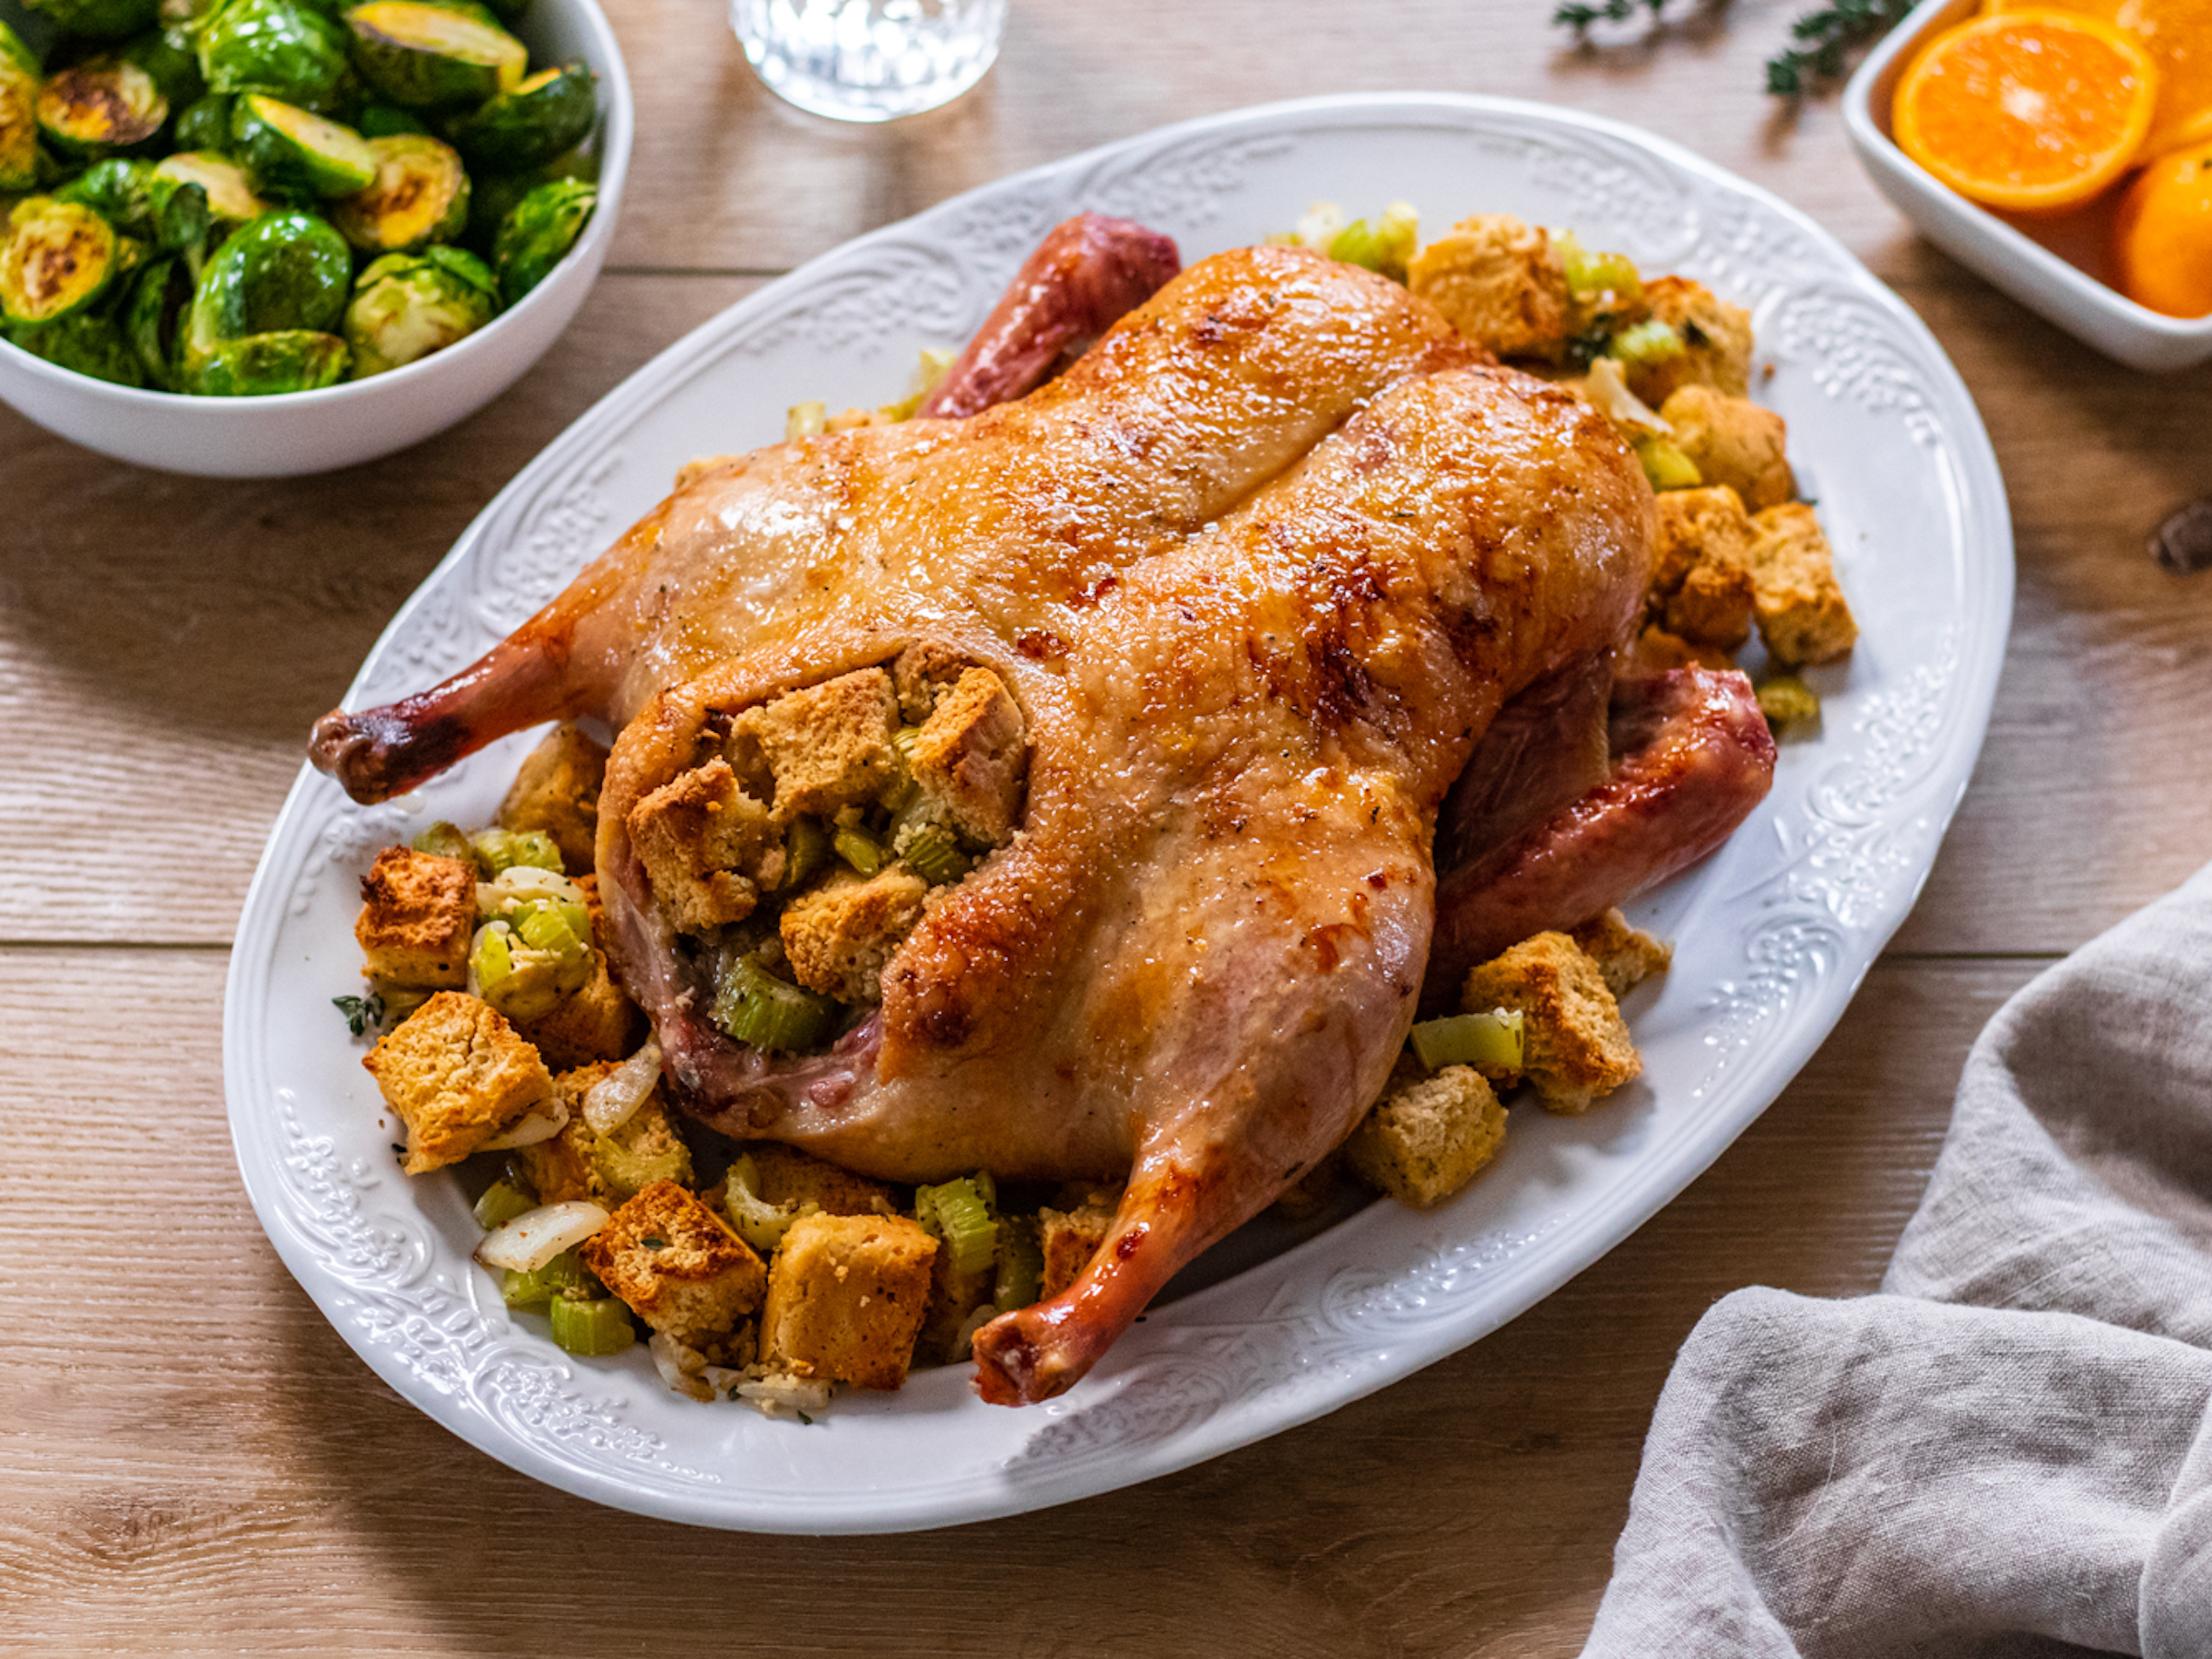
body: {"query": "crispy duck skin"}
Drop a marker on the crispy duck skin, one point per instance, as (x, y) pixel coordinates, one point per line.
(1262, 569)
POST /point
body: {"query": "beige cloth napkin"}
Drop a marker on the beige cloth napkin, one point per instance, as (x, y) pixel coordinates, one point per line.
(2007, 1453)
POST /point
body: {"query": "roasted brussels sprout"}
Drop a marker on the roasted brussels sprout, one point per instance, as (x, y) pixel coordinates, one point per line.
(100, 19)
(538, 234)
(407, 305)
(429, 57)
(264, 365)
(131, 195)
(389, 121)
(231, 198)
(89, 344)
(419, 197)
(153, 319)
(59, 257)
(283, 271)
(167, 54)
(100, 108)
(204, 124)
(19, 112)
(286, 50)
(296, 152)
(549, 112)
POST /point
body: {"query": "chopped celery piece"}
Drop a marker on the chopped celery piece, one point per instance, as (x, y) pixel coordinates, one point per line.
(491, 957)
(805, 851)
(1384, 247)
(956, 1212)
(559, 926)
(564, 1275)
(933, 854)
(591, 1328)
(1666, 467)
(760, 1224)
(442, 839)
(1651, 341)
(1786, 700)
(498, 850)
(807, 420)
(1488, 1041)
(1591, 275)
(859, 849)
(502, 1203)
(764, 1012)
(1020, 1270)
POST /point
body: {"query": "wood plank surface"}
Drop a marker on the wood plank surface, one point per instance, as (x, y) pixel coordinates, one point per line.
(197, 1462)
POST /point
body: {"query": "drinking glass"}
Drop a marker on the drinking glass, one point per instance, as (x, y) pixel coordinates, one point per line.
(868, 60)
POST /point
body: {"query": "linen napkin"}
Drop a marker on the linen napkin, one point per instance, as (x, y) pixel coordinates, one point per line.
(2007, 1453)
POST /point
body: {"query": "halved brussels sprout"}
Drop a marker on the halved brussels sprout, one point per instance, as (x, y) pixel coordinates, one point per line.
(153, 319)
(206, 123)
(389, 121)
(295, 151)
(427, 57)
(549, 112)
(267, 365)
(100, 19)
(100, 107)
(59, 257)
(538, 234)
(131, 195)
(409, 305)
(231, 198)
(89, 344)
(167, 54)
(419, 197)
(19, 112)
(289, 51)
(284, 271)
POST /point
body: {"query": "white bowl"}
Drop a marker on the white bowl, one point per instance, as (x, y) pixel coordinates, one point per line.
(313, 431)
(2019, 256)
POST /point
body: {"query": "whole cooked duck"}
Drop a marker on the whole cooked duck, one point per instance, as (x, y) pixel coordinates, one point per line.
(1197, 637)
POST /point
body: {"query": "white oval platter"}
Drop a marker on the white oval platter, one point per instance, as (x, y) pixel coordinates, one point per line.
(1772, 935)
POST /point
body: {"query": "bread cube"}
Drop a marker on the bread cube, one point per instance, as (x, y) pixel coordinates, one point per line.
(608, 1169)
(1574, 1044)
(1657, 650)
(457, 1073)
(1716, 338)
(698, 468)
(1625, 956)
(1069, 1238)
(1803, 614)
(557, 791)
(1429, 1135)
(1499, 281)
(838, 938)
(417, 916)
(706, 846)
(790, 1178)
(846, 1297)
(677, 1265)
(926, 671)
(1733, 441)
(968, 758)
(828, 746)
(598, 1022)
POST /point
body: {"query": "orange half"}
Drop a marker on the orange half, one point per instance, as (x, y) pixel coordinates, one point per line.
(2031, 111)
(2178, 35)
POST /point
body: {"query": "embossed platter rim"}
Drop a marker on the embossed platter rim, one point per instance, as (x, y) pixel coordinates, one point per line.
(1772, 935)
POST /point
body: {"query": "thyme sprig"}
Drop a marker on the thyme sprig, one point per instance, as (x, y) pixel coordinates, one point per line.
(1826, 39)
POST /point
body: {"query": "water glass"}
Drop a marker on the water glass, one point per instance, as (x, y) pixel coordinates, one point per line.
(868, 60)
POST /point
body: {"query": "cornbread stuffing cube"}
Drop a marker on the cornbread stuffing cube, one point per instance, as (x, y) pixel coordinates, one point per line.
(1702, 588)
(706, 845)
(457, 1075)
(1625, 956)
(557, 791)
(1732, 441)
(597, 1022)
(828, 746)
(846, 1297)
(580, 1163)
(1069, 1238)
(1658, 651)
(1429, 1135)
(677, 1264)
(1574, 1044)
(968, 758)
(838, 938)
(417, 914)
(1716, 338)
(1497, 280)
(1803, 614)
(698, 468)
(790, 1178)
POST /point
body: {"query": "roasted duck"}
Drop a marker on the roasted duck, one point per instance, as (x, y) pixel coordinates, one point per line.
(1260, 571)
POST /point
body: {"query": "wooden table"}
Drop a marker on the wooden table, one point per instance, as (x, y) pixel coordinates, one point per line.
(195, 1462)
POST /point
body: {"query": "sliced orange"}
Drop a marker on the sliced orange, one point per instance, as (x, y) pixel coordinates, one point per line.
(2163, 237)
(2031, 111)
(2178, 35)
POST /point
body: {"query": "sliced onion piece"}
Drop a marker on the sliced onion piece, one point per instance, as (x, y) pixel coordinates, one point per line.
(680, 1365)
(614, 1098)
(541, 1122)
(1608, 389)
(529, 1242)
